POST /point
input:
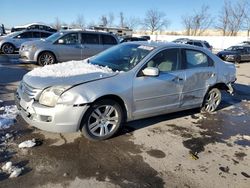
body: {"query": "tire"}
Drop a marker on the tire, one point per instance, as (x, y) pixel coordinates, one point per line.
(8, 48)
(46, 58)
(237, 59)
(102, 120)
(211, 100)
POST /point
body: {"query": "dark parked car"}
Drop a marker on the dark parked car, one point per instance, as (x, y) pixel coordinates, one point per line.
(200, 43)
(32, 26)
(235, 54)
(12, 42)
(129, 39)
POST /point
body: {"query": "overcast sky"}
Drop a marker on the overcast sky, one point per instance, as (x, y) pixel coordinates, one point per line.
(20, 12)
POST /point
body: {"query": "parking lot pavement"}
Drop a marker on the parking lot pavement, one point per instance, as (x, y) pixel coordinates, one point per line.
(185, 149)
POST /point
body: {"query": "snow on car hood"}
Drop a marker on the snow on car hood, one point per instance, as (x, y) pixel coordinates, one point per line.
(68, 73)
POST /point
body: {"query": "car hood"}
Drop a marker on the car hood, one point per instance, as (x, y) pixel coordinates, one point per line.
(227, 52)
(66, 74)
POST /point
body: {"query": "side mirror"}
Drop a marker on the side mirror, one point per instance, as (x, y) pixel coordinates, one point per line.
(60, 41)
(151, 71)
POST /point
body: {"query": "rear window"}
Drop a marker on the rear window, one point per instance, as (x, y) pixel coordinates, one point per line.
(36, 35)
(196, 59)
(198, 44)
(207, 45)
(45, 35)
(89, 38)
(108, 39)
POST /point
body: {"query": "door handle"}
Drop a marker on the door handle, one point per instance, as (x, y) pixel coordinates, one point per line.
(212, 75)
(177, 79)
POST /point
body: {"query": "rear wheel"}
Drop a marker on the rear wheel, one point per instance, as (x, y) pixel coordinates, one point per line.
(211, 101)
(8, 48)
(46, 58)
(102, 120)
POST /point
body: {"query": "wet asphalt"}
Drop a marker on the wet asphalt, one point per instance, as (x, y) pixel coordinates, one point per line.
(120, 161)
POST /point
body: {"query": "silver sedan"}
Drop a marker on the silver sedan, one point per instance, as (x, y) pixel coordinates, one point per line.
(124, 83)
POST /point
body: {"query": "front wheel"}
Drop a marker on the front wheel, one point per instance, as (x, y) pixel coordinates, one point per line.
(102, 120)
(8, 48)
(211, 101)
(46, 58)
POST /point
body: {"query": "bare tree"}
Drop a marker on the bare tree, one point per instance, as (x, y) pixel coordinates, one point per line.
(107, 20)
(57, 24)
(247, 25)
(197, 23)
(187, 21)
(132, 23)
(155, 20)
(111, 19)
(232, 17)
(80, 22)
(104, 20)
(224, 18)
(122, 24)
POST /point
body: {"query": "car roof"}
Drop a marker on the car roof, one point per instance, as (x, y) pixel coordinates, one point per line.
(165, 44)
(84, 31)
(36, 30)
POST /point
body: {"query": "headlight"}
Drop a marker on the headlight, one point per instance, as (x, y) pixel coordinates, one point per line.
(29, 48)
(50, 96)
(230, 56)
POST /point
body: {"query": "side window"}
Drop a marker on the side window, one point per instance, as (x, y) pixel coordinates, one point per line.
(198, 44)
(45, 35)
(36, 35)
(88, 38)
(69, 39)
(166, 60)
(196, 59)
(108, 39)
(24, 35)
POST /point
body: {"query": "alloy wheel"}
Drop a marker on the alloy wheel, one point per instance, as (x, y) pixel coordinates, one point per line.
(103, 120)
(8, 49)
(212, 101)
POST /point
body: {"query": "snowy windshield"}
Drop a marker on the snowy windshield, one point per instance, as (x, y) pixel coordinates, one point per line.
(122, 57)
(54, 37)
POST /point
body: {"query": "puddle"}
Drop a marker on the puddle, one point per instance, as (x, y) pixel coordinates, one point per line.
(221, 126)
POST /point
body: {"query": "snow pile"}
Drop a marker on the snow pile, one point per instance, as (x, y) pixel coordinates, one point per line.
(68, 69)
(12, 170)
(27, 144)
(8, 117)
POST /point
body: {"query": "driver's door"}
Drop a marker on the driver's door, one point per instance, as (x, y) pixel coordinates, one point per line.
(68, 47)
(157, 95)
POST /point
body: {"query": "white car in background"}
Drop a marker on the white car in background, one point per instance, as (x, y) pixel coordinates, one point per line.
(12, 42)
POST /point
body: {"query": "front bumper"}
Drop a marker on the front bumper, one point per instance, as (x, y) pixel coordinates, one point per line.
(59, 119)
(26, 56)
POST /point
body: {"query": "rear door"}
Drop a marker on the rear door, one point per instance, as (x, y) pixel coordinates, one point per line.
(91, 44)
(200, 74)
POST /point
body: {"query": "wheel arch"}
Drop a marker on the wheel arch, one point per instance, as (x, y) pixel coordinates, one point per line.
(5, 42)
(42, 51)
(117, 99)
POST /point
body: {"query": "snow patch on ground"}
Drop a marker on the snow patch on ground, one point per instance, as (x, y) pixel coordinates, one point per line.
(67, 69)
(8, 117)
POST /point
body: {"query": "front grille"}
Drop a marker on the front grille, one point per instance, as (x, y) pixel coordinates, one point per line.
(29, 92)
